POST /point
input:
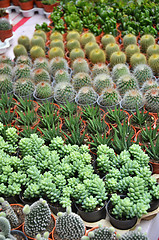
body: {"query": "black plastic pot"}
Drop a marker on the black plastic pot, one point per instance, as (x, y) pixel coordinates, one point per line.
(154, 204)
(92, 216)
(11, 200)
(101, 175)
(151, 167)
(56, 209)
(27, 201)
(120, 224)
(19, 233)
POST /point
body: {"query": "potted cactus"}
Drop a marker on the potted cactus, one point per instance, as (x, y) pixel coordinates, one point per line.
(5, 29)
(4, 3)
(26, 4)
(49, 5)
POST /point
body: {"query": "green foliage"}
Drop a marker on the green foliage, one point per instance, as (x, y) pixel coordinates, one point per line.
(43, 90)
(23, 87)
(86, 95)
(99, 68)
(63, 92)
(80, 65)
(151, 100)
(139, 117)
(142, 72)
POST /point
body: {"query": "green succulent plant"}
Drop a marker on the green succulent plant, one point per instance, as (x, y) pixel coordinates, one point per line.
(76, 53)
(110, 49)
(119, 70)
(62, 76)
(5, 84)
(56, 52)
(56, 35)
(137, 58)
(5, 24)
(97, 55)
(106, 39)
(41, 63)
(63, 92)
(86, 95)
(101, 82)
(89, 47)
(87, 37)
(109, 97)
(23, 59)
(23, 87)
(80, 65)
(151, 99)
(22, 71)
(99, 68)
(142, 72)
(153, 62)
(134, 235)
(39, 75)
(125, 83)
(129, 39)
(58, 63)
(6, 69)
(146, 41)
(130, 50)
(57, 43)
(152, 49)
(36, 52)
(72, 43)
(131, 99)
(40, 33)
(73, 35)
(117, 57)
(80, 80)
(43, 90)
(25, 41)
(149, 84)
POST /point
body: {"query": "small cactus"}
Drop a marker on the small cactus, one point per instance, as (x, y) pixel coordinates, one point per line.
(117, 57)
(154, 63)
(119, 70)
(43, 90)
(56, 52)
(97, 56)
(23, 87)
(101, 233)
(129, 39)
(24, 60)
(64, 92)
(19, 50)
(5, 84)
(89, 47)
(152, 100)
(37, 41)
(109, 97)
(58, 63)
(146, 41)
(142, 72)
(41, 62)
(106, 39)
(134, 235)
(132, 99)
(44, 237)
(149, 84)
(73, 35)
(125, 83)
(102, 81)
(77, 53)
(137, 58)
(72, 43)
(100, 68)
(57, 43)
(80, 80)
(110, 49)
(25, 41)
(86, 96)
(87, 37)
(152, 49)
(22, 71)
(62, 76)
(5, 228)
(7, 60)
(40, 33)
(39, 75)
(6, 69)
(36, 52)
(130, 50)
(80, 65)
(56, 35)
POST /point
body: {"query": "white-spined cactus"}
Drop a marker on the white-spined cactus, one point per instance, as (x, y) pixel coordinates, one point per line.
(5, 228)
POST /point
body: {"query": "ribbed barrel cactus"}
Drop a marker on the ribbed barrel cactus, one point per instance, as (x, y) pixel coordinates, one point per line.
(57, 43)
(22, 71)
(137, 58)
(106, 39)
(90, 46)
(62, 76)
(149, 85)
(129, 39)
(63, 92)
(5, 59)
(110, 49)
(36, 52)
(97, 55)
(37, 41)
(86, 95)
(56, 52)
(130, 50)
(76, 53)
(119, 70)
(23, 87)
(134, 235)
(5, 228)
(6, 69)
(102, 81)
(73, 43)
(43, 90)
(80, 65)
(117, 57)
(73, 35)
(87, 37)
(58, 63)
(6, 84)
(24, 60)
(109, 97)
(56, 35)
(101, 233)
(145, 41)
(152, 100)
(41, 62)
(25, 41)
(80, 80)
(154, 63)
(125, 83)
(152, 49)
(132, 99)
(39, 75)
(142, 72)
(100, 68)
(40, 33)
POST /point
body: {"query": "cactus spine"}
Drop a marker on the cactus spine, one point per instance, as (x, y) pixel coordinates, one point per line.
(5, 84)
(55, 52)
(41, 63)
(58, 63)
(80, 65)
(117, 57)
(152, 49)
(89, 47)
(146, 41)
(36, 52)
(63, 92)
(19, 50)
(24, 60)
(43, 90)
(23, 87)
(137, 58)
(5, 228)
(6, 69)
(102, 233)
(154, 63)
(109, 97)
(86, 95)
(39, 75)
(133, 235)
(102, 81)
(37, 41)
(56, 35)
(87, 37)
(80, 80)
(100, 68)
(132, 99)
(62, 76)
(142, 72)
(148, 85)
(72, 43)
(25, 41)
(73, 35)
(125, 83)
(152, 100)
(57, 43)
(22, 71)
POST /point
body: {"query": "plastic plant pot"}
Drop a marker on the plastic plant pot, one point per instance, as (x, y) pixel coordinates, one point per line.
(40, 100)
(154, 204)
(19, 234)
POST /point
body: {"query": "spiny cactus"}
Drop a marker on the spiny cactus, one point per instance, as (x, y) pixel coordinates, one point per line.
(119, 70)
(43, 90)
(62, 76)
(80, 65)
(132, 99)
(39, 75)
(69, 225)
(100, 68)
(7, 60)
(37, 41)
(72, 43)
(152, 49)
(101, 233)
(25, 41)
(64, 92)
(5, 24)
(37, 217)
(73, 35)
(154, 63)
(57, 43)
(109, 97)
(97, 56)
(56, 52)
(24, 60)
(56, 35)
(10, 214)
(102, 81)
(86, 95)
(41, 62)
(40, 33)
(76, 53)
(106, 39)
(5, 84)
(80, 80)
(152, 100)
(36, 52)
(58, 63)
(117, 57)
(87, 37)
(149, 85)
(137, 58)
(5, 228)
(6, 69)
(22, 71)
(129, 39)
(89, 47)
(142, 72)
(110, 49)
(125, 83)
(130, 50)
(23, 87)
(145, 41)
(134, 235)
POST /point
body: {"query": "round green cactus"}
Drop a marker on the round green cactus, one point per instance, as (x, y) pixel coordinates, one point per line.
(7, 60)
(23, 87)
(5, 84)
(149, 84)
(106, 39)
(102, 81)
(152, 49)
(64, 92)
(5, 228)
(21, 71)
(109, 97)
(77, 53)
(73, 43)
(36, 52)
(56, 35)
(24, 60)
(37, 41)
(80, 65)
(43, 90)
(102, 233)
(86, 96)
(110, 49)
(137, 58)
(56, 52)
(80, 80)
(142, 72)
(89, 47)
(87, 37)
(100, 68)
(25, 41)
(62, 76)
(41, 62)
(152, 100)
(40, 33)
(129, 39)
(6, 69)
(132, 99)
(39, 75)
(58, 63)
(130, 50)
(19, 50)
(117, 57)
(145, 41)
(134, 235)
(97, 56)
(125, 83)
(119, 70)
(154, 63)
(76, 229)
(57, 43)
(73, 35)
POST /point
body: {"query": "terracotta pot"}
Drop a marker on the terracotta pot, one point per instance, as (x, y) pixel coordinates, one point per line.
(15, 2)
(114, 124)
(155, 167)
(26, 5)
(57, 112)
(4, 3)
(4, 34)
(39, 3)
(36, 105)
(49, 8)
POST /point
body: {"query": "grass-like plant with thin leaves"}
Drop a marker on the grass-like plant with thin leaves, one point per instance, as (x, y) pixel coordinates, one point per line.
(68, 108)
(75, 137)
(140, 117)
(97, 125)
(72, 122)
(149, 133)
(99, 139)
(25, 104)
(27, 131)
(48, 119)
(6, 101)
(88, 112)
(46, 108)
(116, 114)
(7, 117)
(27, 118)
(153, 150)
(50, 132)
